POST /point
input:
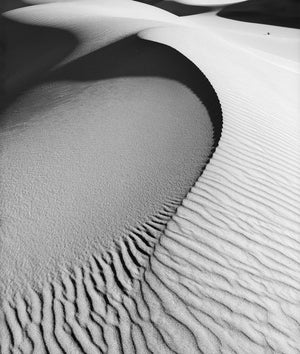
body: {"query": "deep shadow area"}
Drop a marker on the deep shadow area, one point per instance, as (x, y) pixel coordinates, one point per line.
(151, 59)
(30, 51)
(148, 2)
(115, 61)
(102, 145)
(179, 9)
(7, 5)
(284, 13)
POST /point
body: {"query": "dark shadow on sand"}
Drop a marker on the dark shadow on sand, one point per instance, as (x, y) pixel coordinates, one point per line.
(285, 13)
(148, 2)
(134, 57)
(8, 5)
(179, 9)
(29, 52)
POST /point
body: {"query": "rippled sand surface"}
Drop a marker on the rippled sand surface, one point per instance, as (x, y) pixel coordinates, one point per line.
(212, 126)
(92, 161)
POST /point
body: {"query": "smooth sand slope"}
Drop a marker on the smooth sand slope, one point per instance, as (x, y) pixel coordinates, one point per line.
(279, 45)
(209, 3)
(212, 3)
(223, 277)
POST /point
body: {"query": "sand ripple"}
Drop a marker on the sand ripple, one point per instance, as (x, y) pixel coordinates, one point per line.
(223, 277)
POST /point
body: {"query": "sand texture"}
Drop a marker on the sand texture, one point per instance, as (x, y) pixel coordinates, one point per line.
(167, 225)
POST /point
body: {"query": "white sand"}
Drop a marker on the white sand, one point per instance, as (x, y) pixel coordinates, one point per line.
(224, 275)
(281, 45)
(236, 237)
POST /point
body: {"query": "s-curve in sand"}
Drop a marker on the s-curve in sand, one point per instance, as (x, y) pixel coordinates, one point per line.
(150, 183)
(104, 145)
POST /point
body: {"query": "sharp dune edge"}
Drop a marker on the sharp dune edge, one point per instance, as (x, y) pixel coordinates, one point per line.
(212, 3)
(224, 275)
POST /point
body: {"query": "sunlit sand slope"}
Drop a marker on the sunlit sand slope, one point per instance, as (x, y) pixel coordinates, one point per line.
(212, 3)
(223, 277)
(232, 250)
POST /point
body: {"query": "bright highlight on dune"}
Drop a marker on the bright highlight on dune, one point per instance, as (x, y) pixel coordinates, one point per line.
(150, 184)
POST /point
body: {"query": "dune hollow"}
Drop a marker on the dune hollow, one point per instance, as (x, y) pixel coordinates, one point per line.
(101, 147)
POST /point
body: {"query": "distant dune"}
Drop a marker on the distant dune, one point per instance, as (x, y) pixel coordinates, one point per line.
(272, 12)
(180, 9)
(189, 7)
(150, 182)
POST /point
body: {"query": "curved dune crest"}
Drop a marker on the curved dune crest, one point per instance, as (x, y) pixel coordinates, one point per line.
(101, 159)
(208, 3)
(102, 156)
(212, 3)
(189, 7)
(273, 44)
(243, 212)
(224, 274)
(77, 28)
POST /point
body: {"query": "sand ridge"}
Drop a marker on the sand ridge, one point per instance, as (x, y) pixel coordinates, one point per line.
(223, 276)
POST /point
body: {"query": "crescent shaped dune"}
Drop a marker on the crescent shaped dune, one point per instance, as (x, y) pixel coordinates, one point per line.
(150, 182)
(212, 3)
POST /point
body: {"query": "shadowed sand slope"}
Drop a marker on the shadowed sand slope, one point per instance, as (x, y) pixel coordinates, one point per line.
(105, 144)
(188, 7)
(31, 51)
(40, 38)
(180, 9)
(273, 12)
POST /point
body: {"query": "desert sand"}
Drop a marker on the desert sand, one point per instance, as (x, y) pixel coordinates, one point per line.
(150, 181)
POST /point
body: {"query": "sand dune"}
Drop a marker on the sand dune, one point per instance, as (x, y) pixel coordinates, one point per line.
(180, 9)
(243, 212)
(189, 7)
(32, 32)
(111, 144)
(209, 3)
(212, 3)
(273, 12)
(270, 43)
(223, 276)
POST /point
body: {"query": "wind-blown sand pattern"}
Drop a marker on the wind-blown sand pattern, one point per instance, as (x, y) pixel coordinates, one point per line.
(223, 276)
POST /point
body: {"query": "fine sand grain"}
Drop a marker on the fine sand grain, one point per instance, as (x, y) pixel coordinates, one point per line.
(222, 276)
(105, 145)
